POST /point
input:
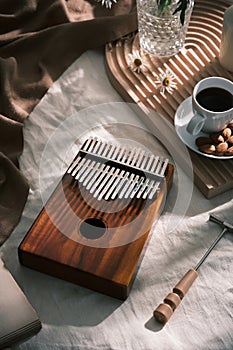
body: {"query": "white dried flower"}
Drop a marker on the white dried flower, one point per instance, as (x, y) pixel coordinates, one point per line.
(165, 82)
(107, 3)
(136, 61)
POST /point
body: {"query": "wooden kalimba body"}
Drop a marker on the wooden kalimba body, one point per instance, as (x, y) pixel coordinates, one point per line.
(94, 226)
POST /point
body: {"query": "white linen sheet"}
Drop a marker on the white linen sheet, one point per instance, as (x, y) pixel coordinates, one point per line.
(74, 317)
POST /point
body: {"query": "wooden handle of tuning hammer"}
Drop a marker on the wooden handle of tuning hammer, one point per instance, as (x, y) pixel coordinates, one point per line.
(164, 311)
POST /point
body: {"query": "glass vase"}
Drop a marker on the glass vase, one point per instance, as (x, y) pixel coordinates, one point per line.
(161, 35)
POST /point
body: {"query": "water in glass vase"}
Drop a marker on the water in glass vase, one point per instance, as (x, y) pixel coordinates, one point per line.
(162, 35)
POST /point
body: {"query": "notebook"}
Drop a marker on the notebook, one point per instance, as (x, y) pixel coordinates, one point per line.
(18, 319)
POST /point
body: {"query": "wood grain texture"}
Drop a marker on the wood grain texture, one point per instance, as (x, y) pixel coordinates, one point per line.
(198, 60)
(54, 244)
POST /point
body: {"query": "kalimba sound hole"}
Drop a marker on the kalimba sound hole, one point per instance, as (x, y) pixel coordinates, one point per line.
(92, 228)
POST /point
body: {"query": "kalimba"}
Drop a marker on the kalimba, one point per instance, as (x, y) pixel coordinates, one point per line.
(93, 229)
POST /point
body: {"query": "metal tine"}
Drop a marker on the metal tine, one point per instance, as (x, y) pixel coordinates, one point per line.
(89, 145)
(152, 170)
(88, 170)
(154, 190)
(155, 184)
(73, 165)
(89, 173)
(125, 155)
(154, 164)
(151, 166)
(98, 172)
(140, 158)
(142, 166)
(145, 181)
(122, 181)
(142, 179)
(131, 187)
(143, 187)
(92, 146)
(105, 149)
(107, 187)
(159, 165)
(122, 150)
(90, 167)
(100, 178)
(149, 187)
(150, 162)
(108, 174)
(89, 142)
(102, 171)
(76, 162)
(137, 187)
(131, 156)
(82, 169)
(114, 186)
(116, 150)
(96, 168)
(97, 146)
(110, 150)
(76, 169)
(101, 149)
(160, 171)
(126, 185)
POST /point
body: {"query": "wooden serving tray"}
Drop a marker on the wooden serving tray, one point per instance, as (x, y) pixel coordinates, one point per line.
(198, 60)
(55, 243)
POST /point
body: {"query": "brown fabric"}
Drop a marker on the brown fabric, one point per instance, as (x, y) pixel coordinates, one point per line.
(38, 40)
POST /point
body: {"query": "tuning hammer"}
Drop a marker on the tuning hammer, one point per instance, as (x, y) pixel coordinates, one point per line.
(165, 310)
(221, 222)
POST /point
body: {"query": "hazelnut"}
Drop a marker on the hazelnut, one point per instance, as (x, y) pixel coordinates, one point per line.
(229, 151)
(216, 137)
(222, 147)
(230, 126)
(202, 140)
(230, 139)
(226, 133)
(218, 143)
(207, 148)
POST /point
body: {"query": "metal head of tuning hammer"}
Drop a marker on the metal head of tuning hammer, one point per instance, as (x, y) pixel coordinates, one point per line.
(165, 310)
(221, 222)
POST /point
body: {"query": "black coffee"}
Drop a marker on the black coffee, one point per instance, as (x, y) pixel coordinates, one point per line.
(215, 99)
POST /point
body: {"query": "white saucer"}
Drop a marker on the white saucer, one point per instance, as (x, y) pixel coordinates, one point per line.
(183, 115)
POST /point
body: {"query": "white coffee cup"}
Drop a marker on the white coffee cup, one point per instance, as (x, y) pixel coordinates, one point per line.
(211, 109)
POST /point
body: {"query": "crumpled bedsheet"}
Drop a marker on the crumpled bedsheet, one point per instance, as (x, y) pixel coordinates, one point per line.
(81, 103)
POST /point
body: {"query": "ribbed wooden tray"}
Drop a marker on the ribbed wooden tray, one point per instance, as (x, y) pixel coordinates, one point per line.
(198, 60)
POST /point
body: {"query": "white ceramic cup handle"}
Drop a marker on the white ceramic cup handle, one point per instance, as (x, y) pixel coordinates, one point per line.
(196, 124)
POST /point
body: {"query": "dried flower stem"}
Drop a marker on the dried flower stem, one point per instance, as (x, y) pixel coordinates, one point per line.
(181, 7)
